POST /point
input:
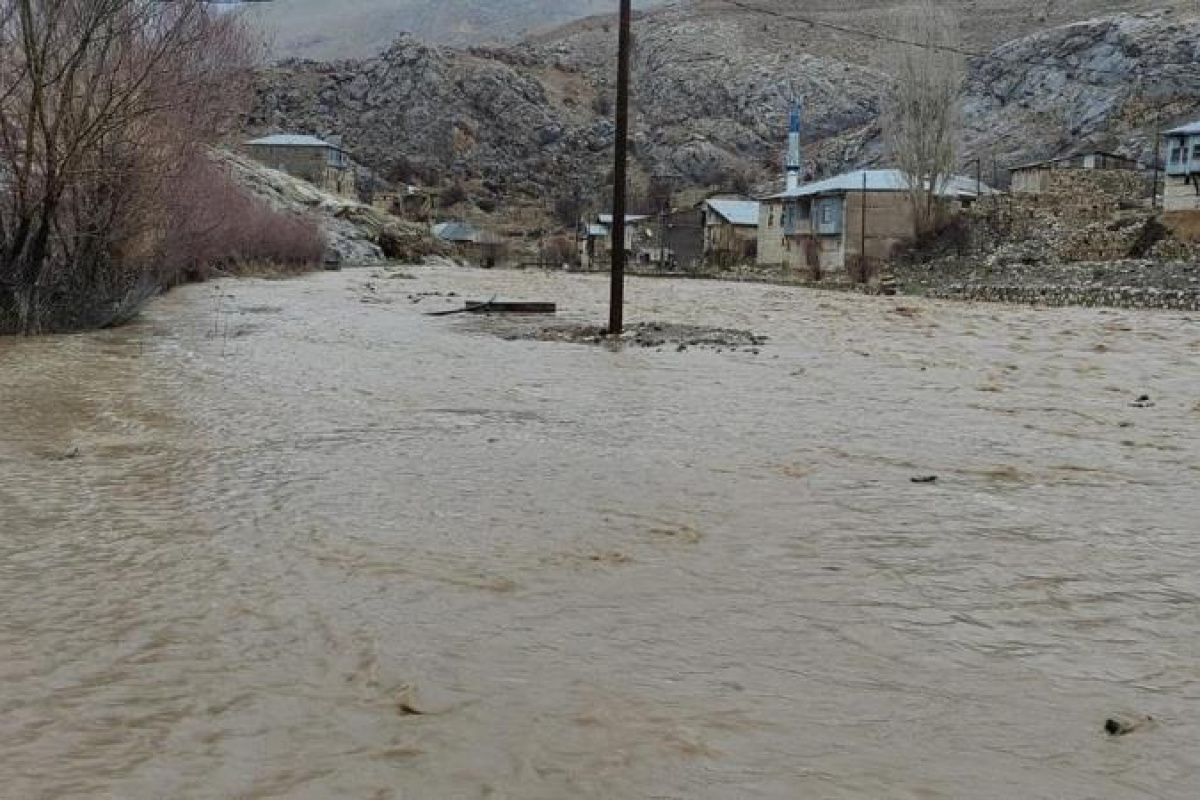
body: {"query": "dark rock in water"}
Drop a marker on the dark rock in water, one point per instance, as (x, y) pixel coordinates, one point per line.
(925, 479)
(1143, 402)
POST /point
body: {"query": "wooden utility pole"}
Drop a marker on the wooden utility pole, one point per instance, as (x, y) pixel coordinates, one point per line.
(616, 311)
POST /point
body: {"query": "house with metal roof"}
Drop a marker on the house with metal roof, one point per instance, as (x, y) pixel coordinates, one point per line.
(1181, 188)
(846, 225)
(327, 166)
(596, 243)
(730, 230)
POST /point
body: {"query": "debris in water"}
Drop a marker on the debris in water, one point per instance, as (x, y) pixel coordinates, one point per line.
(1125, 725)
(925, 479)
(406, 701)
(650, 335)
(1143, 401)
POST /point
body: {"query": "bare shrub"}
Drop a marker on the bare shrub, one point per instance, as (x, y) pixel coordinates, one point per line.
(102, 104)
(452, 195)
(222, 228)
(558, 250)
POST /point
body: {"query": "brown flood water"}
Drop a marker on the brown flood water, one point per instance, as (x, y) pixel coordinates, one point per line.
(242, 540)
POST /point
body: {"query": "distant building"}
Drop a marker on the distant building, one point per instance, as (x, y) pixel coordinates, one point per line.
(730, 230)
(478, 247)
(326, 166)
(820, 227)
(1062, 175)
(1181, 189)
(596, 245)
(412, 203)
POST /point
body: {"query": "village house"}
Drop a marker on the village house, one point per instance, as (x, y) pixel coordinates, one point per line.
(854, 220)
(326, 166)
(1181, 188)
(595, 240)
(730, 230)
(1085, 172)
(480, 248)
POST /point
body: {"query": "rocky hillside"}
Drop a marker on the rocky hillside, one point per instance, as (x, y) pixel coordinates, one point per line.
(331, 29)
(355, 233)
(532, 121)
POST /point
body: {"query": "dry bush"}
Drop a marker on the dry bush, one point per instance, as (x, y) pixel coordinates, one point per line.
(558, 250)
(102, 104)
(221, 228)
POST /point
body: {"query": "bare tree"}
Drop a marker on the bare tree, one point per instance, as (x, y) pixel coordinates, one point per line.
(922, 117)
(102, 104)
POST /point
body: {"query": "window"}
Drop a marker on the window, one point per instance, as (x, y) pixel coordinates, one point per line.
(1176, 155)
(826, 213)
(1195, 152)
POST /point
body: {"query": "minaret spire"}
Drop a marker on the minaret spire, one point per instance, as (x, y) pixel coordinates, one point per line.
(793, 155)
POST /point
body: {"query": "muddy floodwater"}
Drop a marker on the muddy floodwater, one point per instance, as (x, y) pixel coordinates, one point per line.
(296, 540)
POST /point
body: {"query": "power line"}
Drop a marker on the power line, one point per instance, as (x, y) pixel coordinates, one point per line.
(945, 48)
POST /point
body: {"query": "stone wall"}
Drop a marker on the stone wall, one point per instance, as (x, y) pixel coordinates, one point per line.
(1088, 296)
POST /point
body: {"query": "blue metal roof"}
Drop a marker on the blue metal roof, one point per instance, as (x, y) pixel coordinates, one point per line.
(736, 212)
(292, 140)
(1191, 129)
(877, 180)
(455, 232)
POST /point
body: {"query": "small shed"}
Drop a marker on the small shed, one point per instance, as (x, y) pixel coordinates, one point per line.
(730, 230)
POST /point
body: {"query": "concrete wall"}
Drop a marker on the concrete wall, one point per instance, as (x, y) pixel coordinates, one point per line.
(778, 249)
(1180, 194)
(889, 222)
(307, 163)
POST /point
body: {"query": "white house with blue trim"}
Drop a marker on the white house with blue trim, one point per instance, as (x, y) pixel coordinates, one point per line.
(1181, 189)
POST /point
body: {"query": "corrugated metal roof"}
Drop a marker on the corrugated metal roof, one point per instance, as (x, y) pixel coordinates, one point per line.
(1191, 129)
(878, 180)
(455, 232)
(736, 212)
(292, 140)
(1060, 159)
(608, 219)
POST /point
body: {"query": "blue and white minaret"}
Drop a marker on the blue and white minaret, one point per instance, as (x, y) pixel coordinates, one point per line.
(794, 165)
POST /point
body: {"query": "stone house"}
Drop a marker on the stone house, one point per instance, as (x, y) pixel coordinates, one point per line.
(730, 230)
(326, 166)
(411, 203)
(1091, 171)
(481, 248)
(851, 220)
(1181, 187)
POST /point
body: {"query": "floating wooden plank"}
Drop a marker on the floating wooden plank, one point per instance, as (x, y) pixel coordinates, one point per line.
(469, 308)
(510, 307)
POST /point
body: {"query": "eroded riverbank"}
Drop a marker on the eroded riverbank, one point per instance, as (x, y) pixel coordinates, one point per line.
(244, 539)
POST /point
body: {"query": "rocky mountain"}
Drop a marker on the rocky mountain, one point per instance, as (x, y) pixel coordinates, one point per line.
(530, 123)
(330, 29)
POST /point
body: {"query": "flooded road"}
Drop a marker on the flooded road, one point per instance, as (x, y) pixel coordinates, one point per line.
(294, 540)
